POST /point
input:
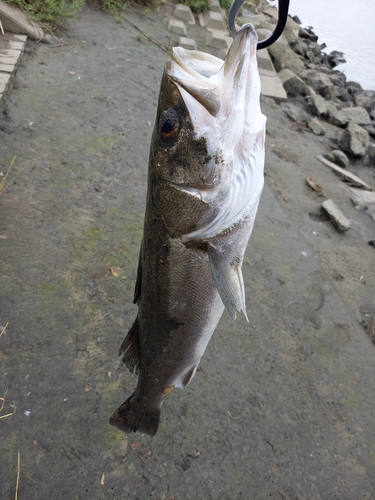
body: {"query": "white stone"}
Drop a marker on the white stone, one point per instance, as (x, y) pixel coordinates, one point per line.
(184, 12)
(4, 79)
(215, 6)
(218, 39)
(212, 20)
(177, 27)
(6, 68)
(187, 43)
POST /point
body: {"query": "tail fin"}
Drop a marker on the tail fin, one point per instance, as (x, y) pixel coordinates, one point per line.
(130, 417)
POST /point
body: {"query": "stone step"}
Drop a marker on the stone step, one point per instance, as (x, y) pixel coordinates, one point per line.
(11, 50)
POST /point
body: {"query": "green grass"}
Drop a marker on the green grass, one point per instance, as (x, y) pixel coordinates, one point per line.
(54, 13)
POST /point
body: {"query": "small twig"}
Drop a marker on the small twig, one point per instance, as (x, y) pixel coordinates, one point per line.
(18, 476)
(3, 330)
(153, 40)
(1, 28)
(272, 446)
(61, 44)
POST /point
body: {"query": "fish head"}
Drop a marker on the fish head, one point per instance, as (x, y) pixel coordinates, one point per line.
(208, 140)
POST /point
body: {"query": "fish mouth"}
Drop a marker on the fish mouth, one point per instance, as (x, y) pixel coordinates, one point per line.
(208, 81)
(223, 100)
(204, 195)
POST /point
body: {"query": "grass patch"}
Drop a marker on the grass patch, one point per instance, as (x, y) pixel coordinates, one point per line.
(53, 14)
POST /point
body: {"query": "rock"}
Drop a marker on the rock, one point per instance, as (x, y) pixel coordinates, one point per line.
(291, 31)
(271, 12)
(353, 87)
(316, 127)
(370, 129)
(297, 20)
(339, 157)
(320, 82)
(366, 99)
(332, 108)
(354, 140)
(371, 153)
(337, 78)
(341, 93)
(356, 115)
(335, 58)
(345, 174)
(308, 33)
(339, 220)
(284, 57)
(295, 113)
(301, 46)
(364, 200)
(292, 83)
(257, 20)
(318, 105)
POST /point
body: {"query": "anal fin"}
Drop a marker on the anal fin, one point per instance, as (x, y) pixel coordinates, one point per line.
(130, 348)
(228, 281)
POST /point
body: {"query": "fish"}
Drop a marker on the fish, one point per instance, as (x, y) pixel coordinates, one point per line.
(205, 179)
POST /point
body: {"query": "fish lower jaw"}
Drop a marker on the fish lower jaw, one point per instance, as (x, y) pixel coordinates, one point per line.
(204, 195)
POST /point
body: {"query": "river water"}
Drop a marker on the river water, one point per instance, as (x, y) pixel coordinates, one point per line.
(345, 25)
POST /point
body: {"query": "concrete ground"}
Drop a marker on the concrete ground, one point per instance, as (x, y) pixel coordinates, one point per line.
(281, 408)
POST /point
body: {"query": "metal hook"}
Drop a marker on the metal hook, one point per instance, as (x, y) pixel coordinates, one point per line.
(283, 16)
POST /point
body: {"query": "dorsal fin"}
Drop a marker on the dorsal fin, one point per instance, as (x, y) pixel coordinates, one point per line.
(130, 348)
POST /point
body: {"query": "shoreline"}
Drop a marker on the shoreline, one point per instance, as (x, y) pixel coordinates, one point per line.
(321, 96)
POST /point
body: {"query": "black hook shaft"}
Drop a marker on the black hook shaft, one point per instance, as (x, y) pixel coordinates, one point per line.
(283, 16)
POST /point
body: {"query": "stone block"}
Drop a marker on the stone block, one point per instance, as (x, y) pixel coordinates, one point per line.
(218, 39)
(292, 83)
(316, 127)
(222, 53)
(215, 6)
(317, 104)
(4, 79)
(265, 65)
(212, 20)
(9, 56)
(184, 13)
(187, 43)
(354, 140)
(16, 21)
(16, 45)
(339, 220)
(6, 68)
(177, 27)
(271, 86)
(257, 20)
(356, 115)
(284, 58)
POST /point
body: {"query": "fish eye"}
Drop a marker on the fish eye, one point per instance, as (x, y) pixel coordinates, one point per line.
(169, 125)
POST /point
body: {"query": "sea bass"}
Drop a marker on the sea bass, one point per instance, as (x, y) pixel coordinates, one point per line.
(205, 179)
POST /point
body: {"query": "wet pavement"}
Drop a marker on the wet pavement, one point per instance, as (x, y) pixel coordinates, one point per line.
(281, 408)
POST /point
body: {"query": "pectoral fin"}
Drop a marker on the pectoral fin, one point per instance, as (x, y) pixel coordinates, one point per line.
(228, 281)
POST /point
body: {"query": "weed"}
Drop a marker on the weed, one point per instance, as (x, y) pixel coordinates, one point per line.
(52, 13)
(5, 183)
